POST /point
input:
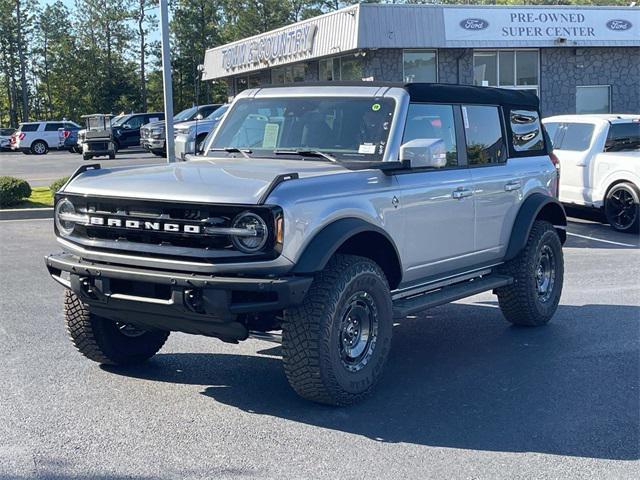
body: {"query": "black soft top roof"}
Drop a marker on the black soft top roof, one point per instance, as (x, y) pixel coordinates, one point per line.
(443, 92)
(447, 93)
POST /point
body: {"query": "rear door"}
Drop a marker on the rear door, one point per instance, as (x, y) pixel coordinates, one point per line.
(51, 135)
(497, 183)
(131, 130)
(438, 204)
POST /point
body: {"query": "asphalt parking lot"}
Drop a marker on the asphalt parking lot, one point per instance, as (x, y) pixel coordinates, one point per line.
(42, 170)
(465, 395)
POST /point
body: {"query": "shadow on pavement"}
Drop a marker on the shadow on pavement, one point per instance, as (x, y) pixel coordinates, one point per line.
(461, 377)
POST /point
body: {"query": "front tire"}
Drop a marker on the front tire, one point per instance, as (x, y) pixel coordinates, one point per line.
(335, 345)
(105, 341)
(622, 208)
(538, 274)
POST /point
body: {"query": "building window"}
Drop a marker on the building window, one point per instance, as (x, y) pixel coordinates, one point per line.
(289, 73)
(327, 70)
(506, 68)
(419, 65)
(347, 67)
(593, 99)
(350, 68)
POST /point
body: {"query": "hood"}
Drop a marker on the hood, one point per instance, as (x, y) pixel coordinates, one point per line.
(160, 123)
(210, 180)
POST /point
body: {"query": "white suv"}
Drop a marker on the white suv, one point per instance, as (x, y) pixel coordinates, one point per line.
(38, 137)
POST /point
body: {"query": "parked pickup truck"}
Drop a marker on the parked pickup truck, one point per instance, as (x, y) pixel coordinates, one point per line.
(319, 216)
(599, 159)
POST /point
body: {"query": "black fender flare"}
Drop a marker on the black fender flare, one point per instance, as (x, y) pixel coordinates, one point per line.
(328, 240)
(535, 206)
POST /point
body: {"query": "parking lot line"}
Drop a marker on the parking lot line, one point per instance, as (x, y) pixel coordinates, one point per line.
(602, 240)
(25, 220)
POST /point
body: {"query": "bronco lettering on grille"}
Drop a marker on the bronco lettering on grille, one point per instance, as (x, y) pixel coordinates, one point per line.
(145, 225)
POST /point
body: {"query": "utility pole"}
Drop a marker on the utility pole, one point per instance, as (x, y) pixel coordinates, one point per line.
(23, 71)
(166, 81)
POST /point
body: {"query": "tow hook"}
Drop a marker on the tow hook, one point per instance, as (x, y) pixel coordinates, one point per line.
(87, 287)
(193, 300)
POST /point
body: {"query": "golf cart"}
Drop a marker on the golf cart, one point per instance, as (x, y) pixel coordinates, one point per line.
(98, 138)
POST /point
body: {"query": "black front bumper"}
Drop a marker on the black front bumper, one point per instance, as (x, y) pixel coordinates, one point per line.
(192, 303)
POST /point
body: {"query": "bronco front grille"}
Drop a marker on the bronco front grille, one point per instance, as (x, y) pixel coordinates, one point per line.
(143, 226)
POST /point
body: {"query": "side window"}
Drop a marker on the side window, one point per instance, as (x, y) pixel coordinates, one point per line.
(577, 136)
(136, 122)
(623, 137)
(526, 130)
(29, 127)
(52, 127)
(483, 132)
(435, 122)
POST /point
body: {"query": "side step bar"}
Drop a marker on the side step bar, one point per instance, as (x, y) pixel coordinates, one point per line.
(450, 293)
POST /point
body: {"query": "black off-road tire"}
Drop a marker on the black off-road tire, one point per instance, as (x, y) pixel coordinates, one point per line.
(521, 303)
(86, 156)
(100, 339)
(112, 156)
(312, 333)
(630, 223)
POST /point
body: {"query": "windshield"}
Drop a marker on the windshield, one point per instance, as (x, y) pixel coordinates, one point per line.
(351, 129)
(623, 137)
(217, 113)
(184, 115)
(119, 120)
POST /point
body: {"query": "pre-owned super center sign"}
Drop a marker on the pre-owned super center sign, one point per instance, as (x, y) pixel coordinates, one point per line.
(544, 25)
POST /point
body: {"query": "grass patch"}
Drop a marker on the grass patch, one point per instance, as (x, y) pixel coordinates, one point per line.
(41, 197)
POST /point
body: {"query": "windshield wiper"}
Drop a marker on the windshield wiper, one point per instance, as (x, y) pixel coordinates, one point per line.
(244, 151)
(307, 153)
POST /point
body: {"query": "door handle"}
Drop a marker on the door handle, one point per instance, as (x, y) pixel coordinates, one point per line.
(511, 186)
(461, 193)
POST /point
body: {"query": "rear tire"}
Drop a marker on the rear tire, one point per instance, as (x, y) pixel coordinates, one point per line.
(105, 341)
(39, 147)
(86, 156)
(335, 345)
(112, 156)
(538, 273)
(622, 208)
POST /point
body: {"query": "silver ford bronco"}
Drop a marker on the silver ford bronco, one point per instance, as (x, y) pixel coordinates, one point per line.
(326, 213)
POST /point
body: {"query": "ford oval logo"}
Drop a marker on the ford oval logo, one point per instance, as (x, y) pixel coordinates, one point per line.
(474, 24)
(619, 25)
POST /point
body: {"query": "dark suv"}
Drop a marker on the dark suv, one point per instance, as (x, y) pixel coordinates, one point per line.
(126, 129)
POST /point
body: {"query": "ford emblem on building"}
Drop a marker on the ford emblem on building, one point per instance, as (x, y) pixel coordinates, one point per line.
(619, 25)
(474, 24)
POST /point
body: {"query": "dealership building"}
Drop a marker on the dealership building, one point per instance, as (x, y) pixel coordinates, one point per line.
(578, 59)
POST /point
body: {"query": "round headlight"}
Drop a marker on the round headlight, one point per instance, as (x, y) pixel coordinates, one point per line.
(256, 232)
(64, 206)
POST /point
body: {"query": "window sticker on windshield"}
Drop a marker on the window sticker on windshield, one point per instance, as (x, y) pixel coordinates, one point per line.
(465, 117)
(270, 138)
(367, 148)
(375, 107)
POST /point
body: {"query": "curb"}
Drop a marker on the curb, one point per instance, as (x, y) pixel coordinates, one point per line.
(26, 213)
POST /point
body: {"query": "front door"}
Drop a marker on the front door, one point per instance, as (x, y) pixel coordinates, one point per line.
(438, 204)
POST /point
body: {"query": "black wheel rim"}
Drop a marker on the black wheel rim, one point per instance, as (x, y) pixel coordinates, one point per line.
(129, 330)
(621, 209)
(358, 331)
(545, 274)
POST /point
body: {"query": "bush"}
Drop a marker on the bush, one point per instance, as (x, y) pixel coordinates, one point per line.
(57, 185)
(12, 190)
